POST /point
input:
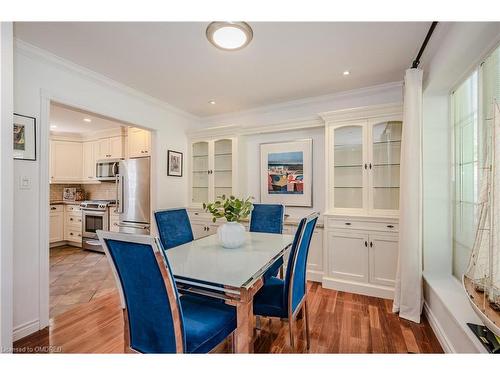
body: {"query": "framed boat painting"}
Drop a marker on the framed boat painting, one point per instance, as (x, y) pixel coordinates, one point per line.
(286, 173)
(24, 137)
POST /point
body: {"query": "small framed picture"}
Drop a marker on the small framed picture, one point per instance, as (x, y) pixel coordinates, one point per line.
(24, 137)
(174, 163)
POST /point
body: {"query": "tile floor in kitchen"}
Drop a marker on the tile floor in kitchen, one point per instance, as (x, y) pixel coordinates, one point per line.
(76, 277)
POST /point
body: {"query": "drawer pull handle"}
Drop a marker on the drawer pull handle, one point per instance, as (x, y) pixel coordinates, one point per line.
(390, 226)
(347, 223)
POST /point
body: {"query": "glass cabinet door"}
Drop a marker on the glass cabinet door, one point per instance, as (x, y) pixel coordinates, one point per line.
(200, 172)
(386, 155)
(348, 167)
(223, 172)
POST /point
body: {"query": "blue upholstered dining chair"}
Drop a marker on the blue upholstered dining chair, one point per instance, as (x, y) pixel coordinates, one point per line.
(156, 318)
(285, 298)
(174, 227)
(268, 218)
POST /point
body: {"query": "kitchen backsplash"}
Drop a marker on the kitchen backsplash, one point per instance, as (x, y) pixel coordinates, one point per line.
(104, 190)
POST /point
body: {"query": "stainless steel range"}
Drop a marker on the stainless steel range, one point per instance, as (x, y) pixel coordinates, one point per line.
(95, 216)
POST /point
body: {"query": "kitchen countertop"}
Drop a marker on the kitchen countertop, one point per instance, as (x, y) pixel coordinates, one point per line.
(73, 203)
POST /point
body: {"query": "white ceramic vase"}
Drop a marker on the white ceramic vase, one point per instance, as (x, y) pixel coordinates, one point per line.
(231, 235)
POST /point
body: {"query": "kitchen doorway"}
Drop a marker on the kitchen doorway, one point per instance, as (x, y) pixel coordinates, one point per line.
(88, 154)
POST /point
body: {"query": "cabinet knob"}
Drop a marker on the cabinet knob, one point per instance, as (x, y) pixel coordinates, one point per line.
(347, 223)
(390, 226)
(366, 243)
(371, 244)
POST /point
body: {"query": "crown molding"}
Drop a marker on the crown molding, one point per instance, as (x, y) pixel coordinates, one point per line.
(305, 101)
(47, 57)
(358, 113)
(238, 130)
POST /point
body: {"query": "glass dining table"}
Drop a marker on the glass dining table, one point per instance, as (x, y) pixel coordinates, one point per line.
(205, 267)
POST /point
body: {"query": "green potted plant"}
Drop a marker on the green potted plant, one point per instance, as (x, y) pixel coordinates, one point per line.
(231, 234)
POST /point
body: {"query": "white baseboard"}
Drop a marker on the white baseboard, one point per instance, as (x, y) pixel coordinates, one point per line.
(315, 276)
(358, 288)
(438, 330)
(25, 329)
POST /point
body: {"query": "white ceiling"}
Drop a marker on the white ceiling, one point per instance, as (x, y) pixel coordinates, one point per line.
(70, 120)
(174, 62)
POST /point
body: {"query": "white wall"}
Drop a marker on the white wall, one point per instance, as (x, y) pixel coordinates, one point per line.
(6, 192)
(253, 165)
(37, 76)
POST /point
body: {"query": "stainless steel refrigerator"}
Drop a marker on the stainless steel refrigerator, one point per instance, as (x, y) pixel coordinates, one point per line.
(133, 195)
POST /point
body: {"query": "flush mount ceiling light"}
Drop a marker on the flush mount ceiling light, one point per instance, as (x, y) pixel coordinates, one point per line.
(229, 36)
(86, 119)
(346, 72)
(211, 101)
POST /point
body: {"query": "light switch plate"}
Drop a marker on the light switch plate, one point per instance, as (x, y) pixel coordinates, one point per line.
(24, 183)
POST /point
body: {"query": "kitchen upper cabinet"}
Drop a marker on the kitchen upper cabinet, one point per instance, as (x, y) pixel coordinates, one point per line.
(139, 143)
(90, 156)
(110, 148)
(66, 161)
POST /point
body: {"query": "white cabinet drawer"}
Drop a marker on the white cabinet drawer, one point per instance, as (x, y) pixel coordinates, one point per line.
(72, 208)
(56, 208)
(348, 223)
(74, 220)
(73, 235)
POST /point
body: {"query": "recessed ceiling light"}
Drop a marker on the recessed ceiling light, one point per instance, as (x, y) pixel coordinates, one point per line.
(211, 101)
(53, 126)
(229, 36)
(86, 119)
(346, 72)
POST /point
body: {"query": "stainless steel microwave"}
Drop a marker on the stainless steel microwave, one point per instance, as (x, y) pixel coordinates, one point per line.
(107, 169)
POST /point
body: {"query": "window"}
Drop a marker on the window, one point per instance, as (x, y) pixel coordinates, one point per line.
(472, 114)
(466, 170)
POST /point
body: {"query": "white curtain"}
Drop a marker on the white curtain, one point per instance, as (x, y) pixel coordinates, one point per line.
(408, 300)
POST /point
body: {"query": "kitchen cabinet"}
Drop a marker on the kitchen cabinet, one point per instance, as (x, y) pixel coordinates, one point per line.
(56, 224)
(90, 156)
(73, 223)
(110, 148)
(66, 161)
(138, 142)
(114, 220)
(214, 169)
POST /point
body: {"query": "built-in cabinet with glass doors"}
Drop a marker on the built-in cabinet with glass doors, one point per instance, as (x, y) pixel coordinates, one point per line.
(363, 153)
(364, 167)
(213, 169)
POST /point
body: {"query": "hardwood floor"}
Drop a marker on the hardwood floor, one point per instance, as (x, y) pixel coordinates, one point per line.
(76, 277)
(340, 323)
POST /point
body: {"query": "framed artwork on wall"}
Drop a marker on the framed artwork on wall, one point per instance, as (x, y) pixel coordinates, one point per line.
(174, 163)
(286, 173)
(24, 137)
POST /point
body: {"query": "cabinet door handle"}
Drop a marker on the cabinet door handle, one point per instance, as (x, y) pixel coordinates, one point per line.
(366, 166)
(347, 223)
(371, 244)
(390, 226)
(366, 243)
(370, 165)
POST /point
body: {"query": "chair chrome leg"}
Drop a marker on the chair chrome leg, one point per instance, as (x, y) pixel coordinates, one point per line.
(258, 324)
(306, 318)
(233, 342)
(290, 327)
